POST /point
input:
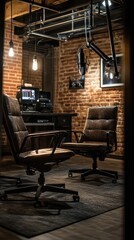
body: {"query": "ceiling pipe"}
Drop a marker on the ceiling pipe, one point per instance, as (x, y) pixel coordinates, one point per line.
(58, 24)
(53, 24)
(44, 36)
(35, 31)
(68, 32)
(46, 21)
(102, 27)
(56, 18)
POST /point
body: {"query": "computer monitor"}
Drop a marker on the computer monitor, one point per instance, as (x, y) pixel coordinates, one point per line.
(29, 95)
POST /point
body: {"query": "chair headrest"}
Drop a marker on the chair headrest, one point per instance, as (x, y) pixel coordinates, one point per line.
(11, 105)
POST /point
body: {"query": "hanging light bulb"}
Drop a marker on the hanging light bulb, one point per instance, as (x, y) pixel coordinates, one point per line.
(109, 3)
(35, 63)
(11, 50)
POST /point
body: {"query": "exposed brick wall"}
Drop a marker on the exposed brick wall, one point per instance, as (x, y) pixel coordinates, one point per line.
(18, 70)
(78, 100)
(65, 99)
(12, 70)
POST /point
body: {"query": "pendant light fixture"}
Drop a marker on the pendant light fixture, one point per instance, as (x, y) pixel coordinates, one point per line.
(35, 62)
(109, 3)
(11, 50)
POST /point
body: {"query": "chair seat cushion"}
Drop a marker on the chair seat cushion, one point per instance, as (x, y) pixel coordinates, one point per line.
(99, 149)
(39, 156)
(84, 145)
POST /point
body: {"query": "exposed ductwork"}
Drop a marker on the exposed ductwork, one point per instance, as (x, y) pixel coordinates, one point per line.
(61, 20)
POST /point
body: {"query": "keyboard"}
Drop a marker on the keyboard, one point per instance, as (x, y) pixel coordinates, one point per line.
(39, 124)
(30, 111)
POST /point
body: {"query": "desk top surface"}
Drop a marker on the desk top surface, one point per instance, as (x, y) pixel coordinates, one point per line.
(36, 113)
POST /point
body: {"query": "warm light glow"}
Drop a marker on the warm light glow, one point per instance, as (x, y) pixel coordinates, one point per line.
(109, 3)
(35, 63)
(11, 50)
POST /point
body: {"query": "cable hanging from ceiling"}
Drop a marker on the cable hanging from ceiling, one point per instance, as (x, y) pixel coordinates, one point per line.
(11, 45)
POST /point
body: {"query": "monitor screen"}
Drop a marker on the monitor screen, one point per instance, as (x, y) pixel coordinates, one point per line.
(29, 95)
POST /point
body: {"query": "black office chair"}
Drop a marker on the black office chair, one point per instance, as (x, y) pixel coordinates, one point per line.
(16, 179)
(26, 151)
(97, 140)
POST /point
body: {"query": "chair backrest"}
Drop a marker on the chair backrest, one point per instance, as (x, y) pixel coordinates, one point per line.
(14, 125)
(98, 121)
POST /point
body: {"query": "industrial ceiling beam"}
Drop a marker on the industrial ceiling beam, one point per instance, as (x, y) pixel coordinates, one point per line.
(18, 9)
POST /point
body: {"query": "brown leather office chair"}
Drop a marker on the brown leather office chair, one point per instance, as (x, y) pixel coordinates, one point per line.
(28, 153)
(97, 140)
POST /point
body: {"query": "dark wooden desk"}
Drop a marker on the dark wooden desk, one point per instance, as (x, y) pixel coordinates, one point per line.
(48, 121)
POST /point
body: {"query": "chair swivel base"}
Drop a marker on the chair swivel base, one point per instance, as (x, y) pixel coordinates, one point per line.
(18, 180)
(87, 172)
(38, 189)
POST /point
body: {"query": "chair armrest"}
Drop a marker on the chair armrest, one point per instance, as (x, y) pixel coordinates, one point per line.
(56, 138)
(111, 140)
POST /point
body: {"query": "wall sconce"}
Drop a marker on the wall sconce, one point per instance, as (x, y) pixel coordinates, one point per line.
(35, 62)
(11, 50)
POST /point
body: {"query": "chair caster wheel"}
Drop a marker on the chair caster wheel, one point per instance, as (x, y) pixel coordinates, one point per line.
(3, 197)
(37, 204)
(18, 182)
(117, 176)
(114, 181)
(82, 178)
(70, 174)
(76, 198)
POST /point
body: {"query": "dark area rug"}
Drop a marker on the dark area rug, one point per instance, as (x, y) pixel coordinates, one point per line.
(97, 195)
